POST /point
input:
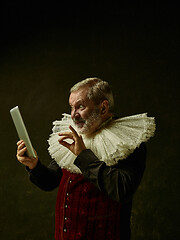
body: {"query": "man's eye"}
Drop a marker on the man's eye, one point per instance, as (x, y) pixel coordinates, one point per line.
(81, 106)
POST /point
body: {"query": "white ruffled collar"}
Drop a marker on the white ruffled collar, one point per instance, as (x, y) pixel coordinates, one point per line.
(114, 141)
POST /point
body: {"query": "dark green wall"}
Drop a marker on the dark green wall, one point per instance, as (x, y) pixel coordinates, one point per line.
(45, 49)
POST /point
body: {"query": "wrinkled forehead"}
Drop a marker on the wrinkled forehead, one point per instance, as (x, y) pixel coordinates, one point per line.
(79, 96)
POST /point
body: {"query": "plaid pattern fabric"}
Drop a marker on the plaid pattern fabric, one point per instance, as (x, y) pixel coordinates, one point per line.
(83, 212)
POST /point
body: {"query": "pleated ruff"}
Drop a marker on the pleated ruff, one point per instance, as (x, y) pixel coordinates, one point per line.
(114, 141)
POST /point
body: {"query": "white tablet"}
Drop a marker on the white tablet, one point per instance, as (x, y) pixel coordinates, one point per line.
(21, 130)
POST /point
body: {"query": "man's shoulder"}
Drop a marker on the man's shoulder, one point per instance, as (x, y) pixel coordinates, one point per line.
(138, 156)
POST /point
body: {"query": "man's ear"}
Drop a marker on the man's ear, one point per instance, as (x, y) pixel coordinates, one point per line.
(104, 107)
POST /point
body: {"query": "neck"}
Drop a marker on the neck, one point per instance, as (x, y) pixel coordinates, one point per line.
(108, 119)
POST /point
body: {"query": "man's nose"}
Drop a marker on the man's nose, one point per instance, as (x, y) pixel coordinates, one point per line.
(74, 114)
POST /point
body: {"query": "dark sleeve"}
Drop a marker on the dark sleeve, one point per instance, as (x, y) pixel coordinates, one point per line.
(46, 178)
(119, 181)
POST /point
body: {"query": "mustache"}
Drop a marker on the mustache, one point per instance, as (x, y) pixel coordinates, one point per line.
(79, 120)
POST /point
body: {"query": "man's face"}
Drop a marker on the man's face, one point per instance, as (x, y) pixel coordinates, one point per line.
(84, 112)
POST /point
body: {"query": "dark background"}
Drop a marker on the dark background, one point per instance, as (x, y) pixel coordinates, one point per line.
(48, 47)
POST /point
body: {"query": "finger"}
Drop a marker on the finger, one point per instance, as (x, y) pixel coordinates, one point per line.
(21, 146)
(19, 142)
(35, 153)
(65, 144)
(21, 159)
(25, 160)
(73, 131)
(22, 151)
(65, 137)
(69, 134)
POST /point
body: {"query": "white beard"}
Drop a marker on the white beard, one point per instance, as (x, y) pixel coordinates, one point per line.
(94, 117)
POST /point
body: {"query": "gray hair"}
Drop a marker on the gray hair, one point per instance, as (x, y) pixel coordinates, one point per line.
(98, 91)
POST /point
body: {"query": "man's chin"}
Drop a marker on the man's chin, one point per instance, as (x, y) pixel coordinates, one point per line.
(79, 125)
(82, 129)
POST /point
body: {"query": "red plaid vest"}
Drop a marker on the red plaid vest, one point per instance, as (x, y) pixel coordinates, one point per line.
(83, 212)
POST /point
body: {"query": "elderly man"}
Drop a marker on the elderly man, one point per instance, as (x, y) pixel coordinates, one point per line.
(98, 162)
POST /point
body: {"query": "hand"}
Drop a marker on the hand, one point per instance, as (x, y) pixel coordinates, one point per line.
(22, 158)
(77, 146)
